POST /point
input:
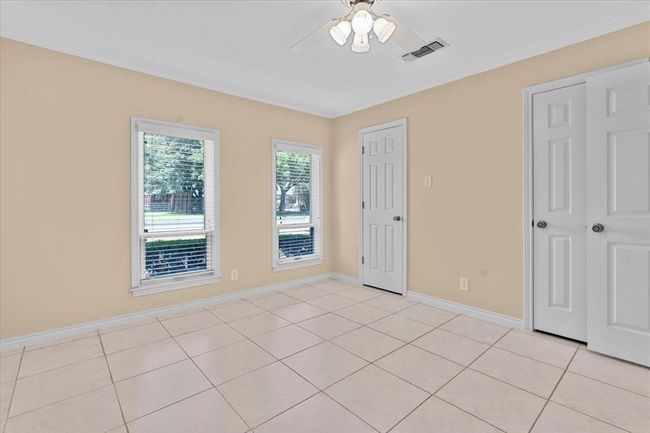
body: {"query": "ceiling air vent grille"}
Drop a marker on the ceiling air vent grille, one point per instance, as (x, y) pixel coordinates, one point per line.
(425, 50)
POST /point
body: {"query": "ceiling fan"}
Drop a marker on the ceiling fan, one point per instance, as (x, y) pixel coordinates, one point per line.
(362, 21)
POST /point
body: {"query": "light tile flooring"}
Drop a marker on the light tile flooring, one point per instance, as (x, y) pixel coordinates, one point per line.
(325, 358)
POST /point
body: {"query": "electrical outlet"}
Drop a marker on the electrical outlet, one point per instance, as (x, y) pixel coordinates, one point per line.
(234, 275)
(427, 181)
(464, 284)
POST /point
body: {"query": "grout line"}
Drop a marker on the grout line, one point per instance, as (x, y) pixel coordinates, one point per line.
(256, 334)
(458, 374)
(357, 326)
(259, 368)
(507, 383)
(549, 338)
(202, 328)
(248, 372)
(566, 370)
(13, 391)
(157, 320)
(60, 366)
(368, 323)
(274, 361)
(552, 392)
(390, 313)
(576, 349)
(62, 399)
(319, 390)
(126, 326)
(590, 416)
(150, 371)
(370, 363)
(348, 410)
(465, 336)
(528, 357)
(313, 385)
(209, 381)
(448, 381)
(139, 346)
(468, 337)
(406, 380)
(213, 312)
(157, 340)
(608, 384)
(171, 404)
(117, 396)
(322, 391)
(455, 315)
(58, 343)
(514, 353)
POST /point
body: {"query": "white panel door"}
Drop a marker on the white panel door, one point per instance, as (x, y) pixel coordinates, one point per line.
(559, 212)
(383, 209)
(618, 208)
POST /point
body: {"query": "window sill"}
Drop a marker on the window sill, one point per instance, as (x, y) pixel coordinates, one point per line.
(174, 283)
(279, 267)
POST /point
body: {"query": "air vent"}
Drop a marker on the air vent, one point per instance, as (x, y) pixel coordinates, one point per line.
(425, 50)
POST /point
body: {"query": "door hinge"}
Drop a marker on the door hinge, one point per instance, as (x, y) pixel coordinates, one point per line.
(532, 223)
(363, 204)
(363, 260)
(363, 149)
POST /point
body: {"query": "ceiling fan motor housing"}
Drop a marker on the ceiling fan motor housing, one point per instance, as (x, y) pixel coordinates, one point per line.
(353, 3)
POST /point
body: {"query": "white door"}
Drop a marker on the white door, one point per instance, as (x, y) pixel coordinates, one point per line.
(383, 208)
(618, 209)
(559, 268)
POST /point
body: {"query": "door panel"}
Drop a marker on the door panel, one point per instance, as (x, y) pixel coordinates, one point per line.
(628, 165)
(628, 302)
(560, 176)
(559, 271)
(618, 197)
(383, 237)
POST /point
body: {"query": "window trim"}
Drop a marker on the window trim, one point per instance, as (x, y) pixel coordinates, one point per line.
(164, 284)
(314, 259)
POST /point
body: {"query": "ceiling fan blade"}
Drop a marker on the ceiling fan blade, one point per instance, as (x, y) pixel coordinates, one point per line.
(313, 37)
(406, 38)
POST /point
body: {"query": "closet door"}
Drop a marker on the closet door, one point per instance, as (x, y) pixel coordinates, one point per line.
(618, 210)
(560, 305)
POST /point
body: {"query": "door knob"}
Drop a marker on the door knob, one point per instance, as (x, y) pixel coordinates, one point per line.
(397, 218)
(541, 224)
(598, 228)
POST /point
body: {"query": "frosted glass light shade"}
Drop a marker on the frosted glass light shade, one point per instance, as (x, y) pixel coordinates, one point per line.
(383, 29)
(340, 32)
(362, 22)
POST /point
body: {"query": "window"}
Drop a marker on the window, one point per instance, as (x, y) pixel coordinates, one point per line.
(175, 219)
(296, 205)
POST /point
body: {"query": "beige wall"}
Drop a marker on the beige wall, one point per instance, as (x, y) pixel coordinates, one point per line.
(468, 136)
(64, 179)
(65, 152)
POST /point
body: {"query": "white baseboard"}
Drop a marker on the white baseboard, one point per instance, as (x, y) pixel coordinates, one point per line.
(478, 313)
(83, 328)
(346, 278)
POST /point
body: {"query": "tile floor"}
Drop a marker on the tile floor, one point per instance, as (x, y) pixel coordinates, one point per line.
(322, 358)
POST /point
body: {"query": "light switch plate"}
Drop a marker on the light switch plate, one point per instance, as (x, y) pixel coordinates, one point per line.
(427, 181)
(464, 284)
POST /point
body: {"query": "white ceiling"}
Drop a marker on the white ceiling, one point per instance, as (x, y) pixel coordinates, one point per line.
(242, 47)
